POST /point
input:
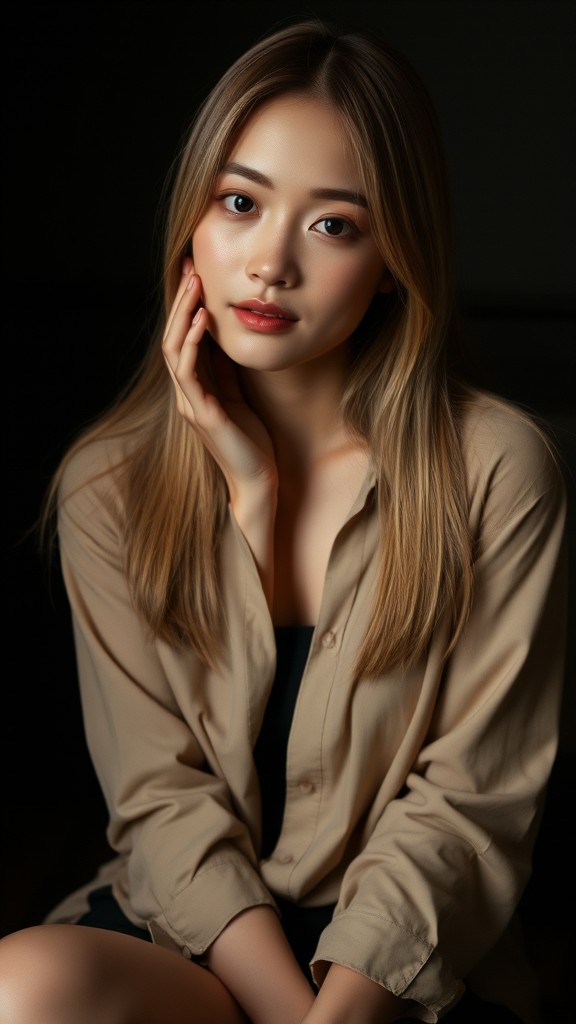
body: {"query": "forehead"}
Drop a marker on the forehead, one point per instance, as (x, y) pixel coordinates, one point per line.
(298, 138)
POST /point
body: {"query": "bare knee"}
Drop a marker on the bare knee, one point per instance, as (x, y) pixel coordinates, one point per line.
(69, 974)
(49, 975)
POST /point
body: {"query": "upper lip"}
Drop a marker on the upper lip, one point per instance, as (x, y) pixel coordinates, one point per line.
(269, 308)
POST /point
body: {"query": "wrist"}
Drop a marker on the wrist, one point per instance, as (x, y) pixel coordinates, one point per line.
(348, 997)
(253, 959)
(254, 510)
(250, 501)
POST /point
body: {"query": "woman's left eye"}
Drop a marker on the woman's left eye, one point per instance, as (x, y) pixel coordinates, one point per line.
(236, 202)
(335, 227)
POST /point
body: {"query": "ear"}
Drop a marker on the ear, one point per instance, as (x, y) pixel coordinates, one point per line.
(387, 282)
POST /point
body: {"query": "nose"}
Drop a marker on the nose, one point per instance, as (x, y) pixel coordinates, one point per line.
(272, 259)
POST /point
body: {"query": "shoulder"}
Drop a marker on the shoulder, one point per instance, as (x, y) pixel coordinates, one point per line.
(509, 459)
(499, 437)
(90, 484)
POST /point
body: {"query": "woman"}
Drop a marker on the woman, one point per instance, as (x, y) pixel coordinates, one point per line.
(317, 594)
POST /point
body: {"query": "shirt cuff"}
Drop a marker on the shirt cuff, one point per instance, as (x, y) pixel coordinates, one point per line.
(194, 919)
(393, 957)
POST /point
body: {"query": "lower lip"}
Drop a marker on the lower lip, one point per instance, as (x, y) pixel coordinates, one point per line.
(264, 324)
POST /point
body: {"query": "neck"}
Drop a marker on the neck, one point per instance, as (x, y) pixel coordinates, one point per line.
(301, 409)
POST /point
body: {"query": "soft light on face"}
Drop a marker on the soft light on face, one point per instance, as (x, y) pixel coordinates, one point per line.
(284, 250)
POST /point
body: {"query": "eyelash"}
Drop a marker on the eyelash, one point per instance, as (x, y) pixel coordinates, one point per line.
(350, 232)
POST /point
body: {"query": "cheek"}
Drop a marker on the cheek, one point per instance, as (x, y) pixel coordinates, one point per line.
(352, 290)
(208, 250)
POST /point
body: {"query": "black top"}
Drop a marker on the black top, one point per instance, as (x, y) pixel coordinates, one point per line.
(292, 647)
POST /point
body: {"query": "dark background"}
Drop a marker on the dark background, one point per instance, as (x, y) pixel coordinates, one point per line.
(97, 99)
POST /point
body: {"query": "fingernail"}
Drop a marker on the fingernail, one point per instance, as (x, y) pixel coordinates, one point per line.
(197, 315)
(190, 282)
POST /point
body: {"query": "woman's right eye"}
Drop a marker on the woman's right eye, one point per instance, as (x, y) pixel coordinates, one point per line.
(236, 202)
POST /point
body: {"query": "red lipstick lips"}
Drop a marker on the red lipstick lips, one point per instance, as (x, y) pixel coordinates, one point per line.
(266, 317)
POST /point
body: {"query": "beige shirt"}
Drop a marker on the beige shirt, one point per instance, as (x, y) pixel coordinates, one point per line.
(412, 801)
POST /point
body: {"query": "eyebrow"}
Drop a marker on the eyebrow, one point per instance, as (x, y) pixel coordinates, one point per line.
(345, 194)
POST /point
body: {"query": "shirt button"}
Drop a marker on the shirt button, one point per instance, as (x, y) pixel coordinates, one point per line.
(186, 953)
(306, 786)
(284, 858)
(329, 639)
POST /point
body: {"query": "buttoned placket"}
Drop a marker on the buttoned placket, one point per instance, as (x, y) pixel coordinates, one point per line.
(305, 779)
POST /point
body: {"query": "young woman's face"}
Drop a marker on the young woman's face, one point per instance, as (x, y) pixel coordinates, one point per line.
(284, 250)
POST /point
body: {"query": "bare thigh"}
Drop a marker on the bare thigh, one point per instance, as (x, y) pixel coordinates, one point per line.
(72, 974)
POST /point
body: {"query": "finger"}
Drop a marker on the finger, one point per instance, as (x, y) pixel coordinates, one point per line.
(193, 399)
(188, 292)
(182, 320)
(188, 283)
(194, 385)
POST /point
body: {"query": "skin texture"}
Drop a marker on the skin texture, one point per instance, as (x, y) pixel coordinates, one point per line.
(271, 419)
(294, 237)
(314, 256)
(70, 974)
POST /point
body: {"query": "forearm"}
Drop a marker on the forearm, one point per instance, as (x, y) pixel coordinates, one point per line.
(347, 997)
(253, 959)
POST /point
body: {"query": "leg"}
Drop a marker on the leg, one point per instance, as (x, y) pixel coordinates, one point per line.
(71, 974)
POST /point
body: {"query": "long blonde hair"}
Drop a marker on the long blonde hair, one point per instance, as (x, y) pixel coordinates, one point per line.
(400, 399)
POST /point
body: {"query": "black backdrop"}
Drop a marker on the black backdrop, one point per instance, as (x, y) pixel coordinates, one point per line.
(97, 99)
